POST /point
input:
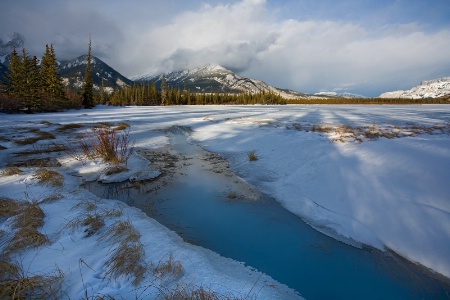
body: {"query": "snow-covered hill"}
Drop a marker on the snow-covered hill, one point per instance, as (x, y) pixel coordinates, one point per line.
(215, 78)
(427, 89)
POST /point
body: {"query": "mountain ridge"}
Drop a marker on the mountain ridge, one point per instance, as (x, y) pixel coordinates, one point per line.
(433, 88)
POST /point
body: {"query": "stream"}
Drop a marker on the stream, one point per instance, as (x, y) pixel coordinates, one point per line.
(198, 197)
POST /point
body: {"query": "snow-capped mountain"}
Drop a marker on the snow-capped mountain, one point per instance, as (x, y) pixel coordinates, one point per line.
(73, 73)
(427, 89)
(215, 78)
(339, 95)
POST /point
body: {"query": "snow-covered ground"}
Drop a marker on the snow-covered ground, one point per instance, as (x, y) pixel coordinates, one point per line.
(376, 175)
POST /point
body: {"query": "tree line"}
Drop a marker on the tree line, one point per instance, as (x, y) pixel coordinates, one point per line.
(35, 86)
(146, 93)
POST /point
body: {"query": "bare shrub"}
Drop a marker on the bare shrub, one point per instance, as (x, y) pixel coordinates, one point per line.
(49, 177)
(104, 142)
(112, 147)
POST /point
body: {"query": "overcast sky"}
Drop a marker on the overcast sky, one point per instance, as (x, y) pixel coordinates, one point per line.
(361, 46)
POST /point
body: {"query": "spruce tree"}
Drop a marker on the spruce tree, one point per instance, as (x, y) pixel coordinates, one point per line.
(52, 86)
(88, 89)
(13, 76)
(163, 90)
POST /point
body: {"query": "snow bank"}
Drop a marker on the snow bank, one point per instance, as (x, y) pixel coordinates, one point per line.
(388, 193)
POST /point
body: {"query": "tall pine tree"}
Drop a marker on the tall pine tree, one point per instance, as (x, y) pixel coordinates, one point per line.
(52, 86)
(88, 90)
(164, 90)
(14, 76)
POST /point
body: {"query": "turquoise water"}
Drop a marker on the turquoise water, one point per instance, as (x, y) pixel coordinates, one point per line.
(265, 236)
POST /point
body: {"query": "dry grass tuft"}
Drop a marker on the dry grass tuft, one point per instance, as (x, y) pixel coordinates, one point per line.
(168, 268)
(126, 258)
(92, 223)
(123, 232)
(122, 126)
(46, 123)
(232, 195)
(7, 270)
(87, 205)
(28, 218)
(70, 126)
(188, 293)
(40, 135)
(252, 155)
(15, 285)
(322, 128)
(10, 171)
(27, 237)
(36, 163)
(42, 149)
(116, 169)
(10, 207)
(49, 177)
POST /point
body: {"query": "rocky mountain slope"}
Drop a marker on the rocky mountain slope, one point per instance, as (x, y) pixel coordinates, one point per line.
(427, 89)
(73, 72)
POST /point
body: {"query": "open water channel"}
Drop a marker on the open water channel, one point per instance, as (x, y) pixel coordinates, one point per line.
(207, 205)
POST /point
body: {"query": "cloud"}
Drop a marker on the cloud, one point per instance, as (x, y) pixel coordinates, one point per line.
(366, 53)
(307, 55)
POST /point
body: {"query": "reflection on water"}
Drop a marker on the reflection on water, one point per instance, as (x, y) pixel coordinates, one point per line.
(267, 237)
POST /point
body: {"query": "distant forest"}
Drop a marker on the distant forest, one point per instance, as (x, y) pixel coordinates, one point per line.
(31, 87)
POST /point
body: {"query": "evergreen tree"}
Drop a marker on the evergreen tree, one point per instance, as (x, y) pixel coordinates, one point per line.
(14, 76)
(25, 91)
(52, 86)
(88, 89)
(163, 90)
